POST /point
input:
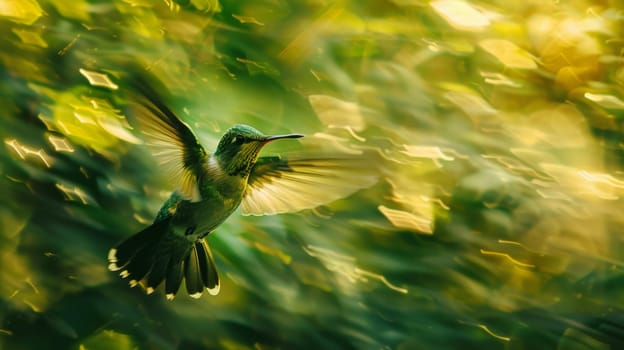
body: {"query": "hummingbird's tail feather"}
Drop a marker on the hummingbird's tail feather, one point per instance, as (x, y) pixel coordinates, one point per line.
(156, 254)
(208, 267)
(200, 270)
(157, 273)
(174, 279)
(134, 256)
(192, 273)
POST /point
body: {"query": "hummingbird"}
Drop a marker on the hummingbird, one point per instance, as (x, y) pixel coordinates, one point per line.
(210, 186)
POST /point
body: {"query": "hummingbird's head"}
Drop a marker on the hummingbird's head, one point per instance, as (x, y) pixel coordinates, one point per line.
(239, 147)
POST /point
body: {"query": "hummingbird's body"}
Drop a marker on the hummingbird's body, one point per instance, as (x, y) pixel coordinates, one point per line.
(211, 186)
(197, 219)
(220, 195)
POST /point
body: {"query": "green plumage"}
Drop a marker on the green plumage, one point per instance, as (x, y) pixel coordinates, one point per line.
(210, 187)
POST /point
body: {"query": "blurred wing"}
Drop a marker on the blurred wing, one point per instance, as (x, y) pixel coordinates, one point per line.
(279, 185)
(171, 140)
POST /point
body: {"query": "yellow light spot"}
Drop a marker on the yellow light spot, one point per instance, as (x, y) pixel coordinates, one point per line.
(405, 220)
(602, 178)
(514, 165)
(431, 152)
(173, 7)
(250, 62)
(32, 285)
(247, 19)
(48, 122)
(83, 118)
(499, 79)
(323, 252)
(63, 127)
(5, 331)
(84, 172)
(16, 147)
(286, 259)
(344, 265)
(90, 122)
(502, 241)
(433, 46)
(580, 183)
(24, 151)
(454, 153)
(554, 195)
(316, 75)
(460, 14)
(141, 219)
(508, 53)
(64, 50)
(439, 202)
(488, 331)
(352, 133)
(508, 257)
(606, 101)
(114, 126)
(73, 194)
(382, 279)
(32, 306)
(98, 79)
(60, 144)
(30, 38)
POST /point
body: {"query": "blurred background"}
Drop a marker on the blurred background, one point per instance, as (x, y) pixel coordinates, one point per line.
(497, 223)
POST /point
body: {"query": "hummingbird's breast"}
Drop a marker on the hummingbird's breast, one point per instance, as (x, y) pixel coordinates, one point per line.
(220, 195)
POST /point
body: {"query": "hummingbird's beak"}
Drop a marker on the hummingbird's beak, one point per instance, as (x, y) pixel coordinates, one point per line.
(278, 137)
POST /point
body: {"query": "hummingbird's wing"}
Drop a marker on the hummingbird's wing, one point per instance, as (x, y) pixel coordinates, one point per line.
(172, 142)
(279, 185)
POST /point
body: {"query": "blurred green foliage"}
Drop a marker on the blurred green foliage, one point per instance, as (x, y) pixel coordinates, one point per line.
(496, 225)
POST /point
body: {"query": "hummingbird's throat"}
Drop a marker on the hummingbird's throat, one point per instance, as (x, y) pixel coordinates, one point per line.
(239, 163)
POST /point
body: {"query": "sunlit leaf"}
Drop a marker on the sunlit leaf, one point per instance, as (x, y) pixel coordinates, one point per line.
(94, 125)
(21, 11)
(508, 53)
(460, 14)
